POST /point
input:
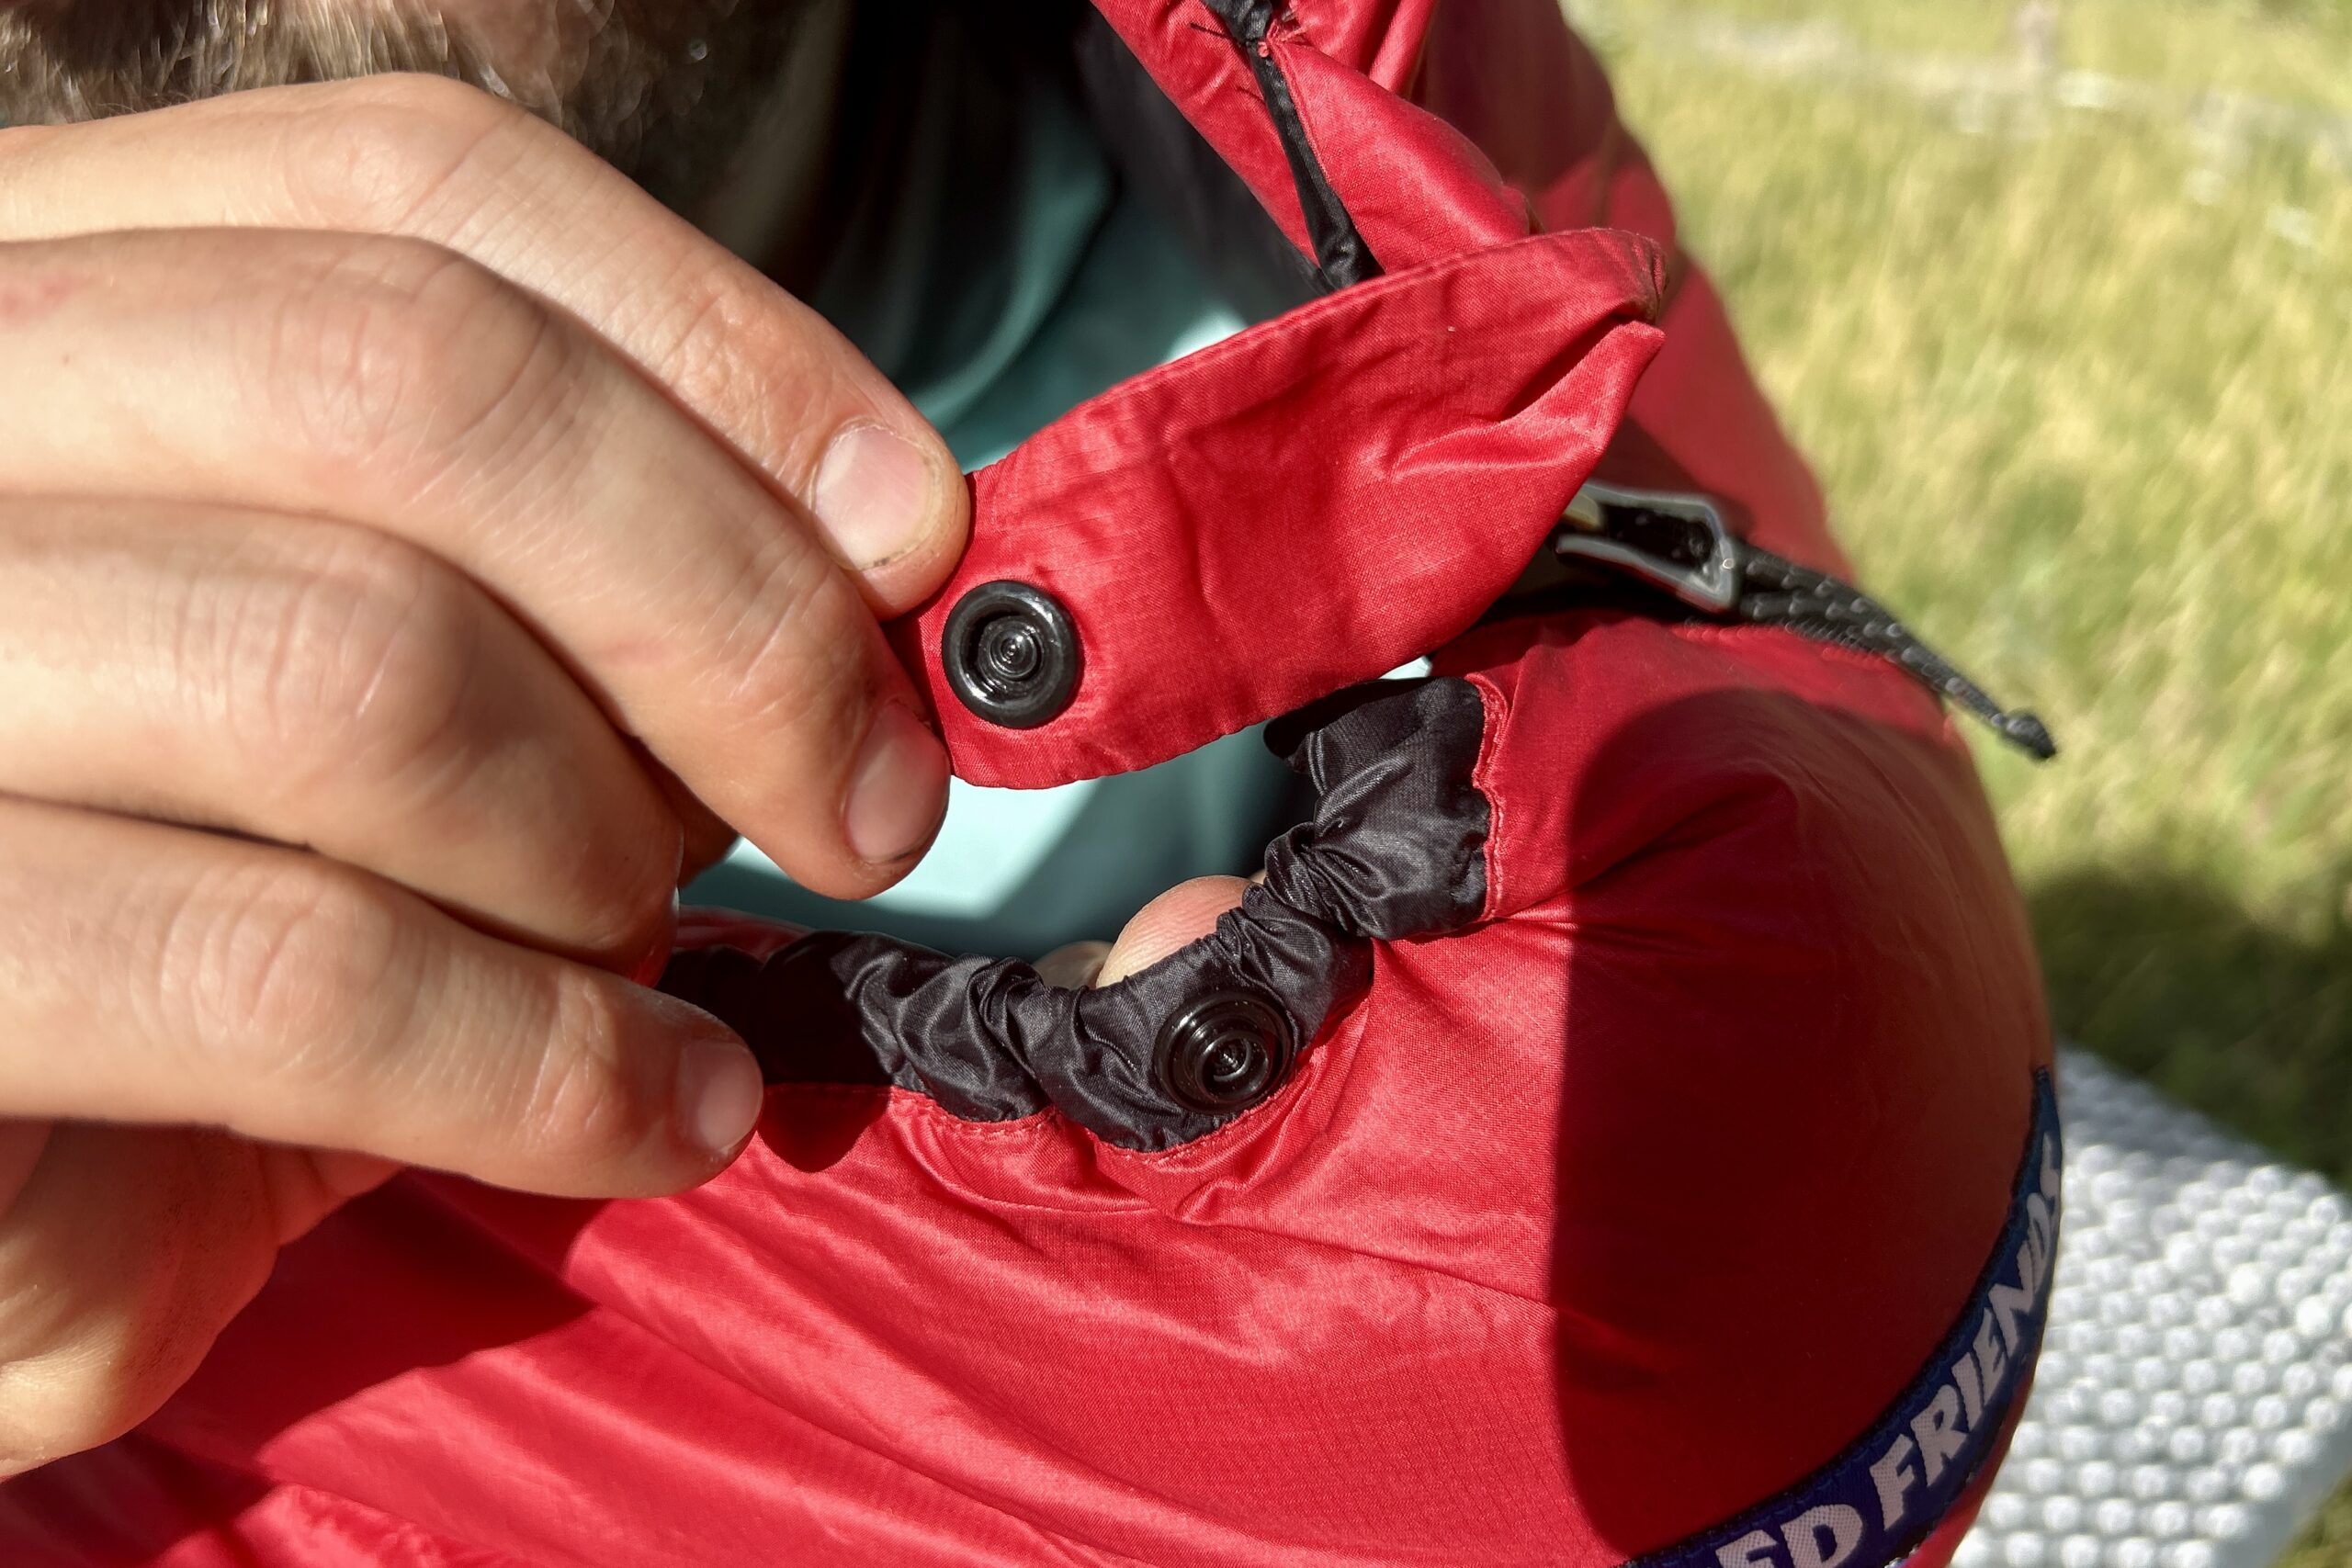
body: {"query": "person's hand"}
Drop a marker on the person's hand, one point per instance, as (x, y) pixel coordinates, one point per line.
(1183, 915)
(417, 542)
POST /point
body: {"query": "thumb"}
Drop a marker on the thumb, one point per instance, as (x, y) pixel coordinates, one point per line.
(1183, 915)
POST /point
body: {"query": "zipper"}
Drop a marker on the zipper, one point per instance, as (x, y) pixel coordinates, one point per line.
(1341, 256)
(1680, 544)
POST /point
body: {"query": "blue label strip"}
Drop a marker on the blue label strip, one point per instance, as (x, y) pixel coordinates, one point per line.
(1882, 1496)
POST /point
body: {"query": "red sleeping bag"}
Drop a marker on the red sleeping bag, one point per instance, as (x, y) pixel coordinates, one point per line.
(1618, 1130)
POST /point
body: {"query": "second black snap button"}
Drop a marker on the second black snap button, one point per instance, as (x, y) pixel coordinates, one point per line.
(1224, 1051)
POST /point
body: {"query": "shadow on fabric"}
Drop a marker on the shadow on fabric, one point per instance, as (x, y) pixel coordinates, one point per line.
(415, 1280)
(1785, 1149)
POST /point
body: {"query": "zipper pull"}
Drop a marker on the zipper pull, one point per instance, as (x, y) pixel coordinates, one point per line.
(1827, 609)
(1680, 544)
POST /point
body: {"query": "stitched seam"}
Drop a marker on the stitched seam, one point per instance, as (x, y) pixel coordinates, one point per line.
(1497, 710)
(1357, 297)
(1037, 1124)
(1030, 1127)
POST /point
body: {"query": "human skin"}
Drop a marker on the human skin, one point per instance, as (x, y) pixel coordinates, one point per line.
(412, 584)
(407, 582)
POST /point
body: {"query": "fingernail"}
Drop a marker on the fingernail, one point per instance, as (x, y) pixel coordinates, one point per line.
(899, 791)
(719, 1095)
(873, 495)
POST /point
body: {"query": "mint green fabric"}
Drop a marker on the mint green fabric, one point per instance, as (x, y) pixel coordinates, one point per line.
(1087, 289)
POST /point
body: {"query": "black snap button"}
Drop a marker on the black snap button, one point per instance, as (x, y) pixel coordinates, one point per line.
(1010, 654)
(1224, 1051)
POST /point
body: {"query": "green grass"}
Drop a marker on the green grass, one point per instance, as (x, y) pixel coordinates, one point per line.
(2291, 50)
(2093, 434)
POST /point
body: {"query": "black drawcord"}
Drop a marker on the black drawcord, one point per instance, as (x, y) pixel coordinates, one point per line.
(1817, 605)
(1679, 543)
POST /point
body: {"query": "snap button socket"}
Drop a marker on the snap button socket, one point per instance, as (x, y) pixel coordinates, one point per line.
(1224, 1051)
(1012, 655)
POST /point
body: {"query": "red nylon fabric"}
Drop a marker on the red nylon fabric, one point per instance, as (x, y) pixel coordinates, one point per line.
(1404, 446)
(1499, 123)
(1350, 64)
(1487, 369)
(1516, 81)
(1184, 47)
(1416, 186)
(1516, 100)
(1579, 1231)
(1574, 1235)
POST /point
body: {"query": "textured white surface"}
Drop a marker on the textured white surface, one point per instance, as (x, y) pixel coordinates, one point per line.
(2194, 1402)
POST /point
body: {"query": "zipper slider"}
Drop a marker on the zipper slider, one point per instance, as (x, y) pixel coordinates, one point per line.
(1675, 542)
(1680, 544)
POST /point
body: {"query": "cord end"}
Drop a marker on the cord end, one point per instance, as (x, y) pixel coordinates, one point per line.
(2028, 732)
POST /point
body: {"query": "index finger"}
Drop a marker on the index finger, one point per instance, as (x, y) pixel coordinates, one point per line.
(426, 158)
(396, 385)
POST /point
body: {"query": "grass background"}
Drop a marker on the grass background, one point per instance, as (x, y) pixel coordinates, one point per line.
(2078, 380)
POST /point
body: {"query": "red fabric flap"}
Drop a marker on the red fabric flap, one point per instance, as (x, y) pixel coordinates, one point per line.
(1415, 187)
(1383, 39)
(1309, 503)
(1187, 51)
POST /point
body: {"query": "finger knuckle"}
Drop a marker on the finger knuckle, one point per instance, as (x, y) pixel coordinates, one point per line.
(402, 361)
(744, 363)
(796, 656)
(756, 363)
(427, 96)
(703, 351)
(585, 1108)
(375, 154)
(357, 664)
(289, 977)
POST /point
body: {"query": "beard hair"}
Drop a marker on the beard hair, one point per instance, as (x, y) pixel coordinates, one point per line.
(659, 88)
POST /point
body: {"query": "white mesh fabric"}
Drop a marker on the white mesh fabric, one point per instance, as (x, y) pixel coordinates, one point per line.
(2194, 1402)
